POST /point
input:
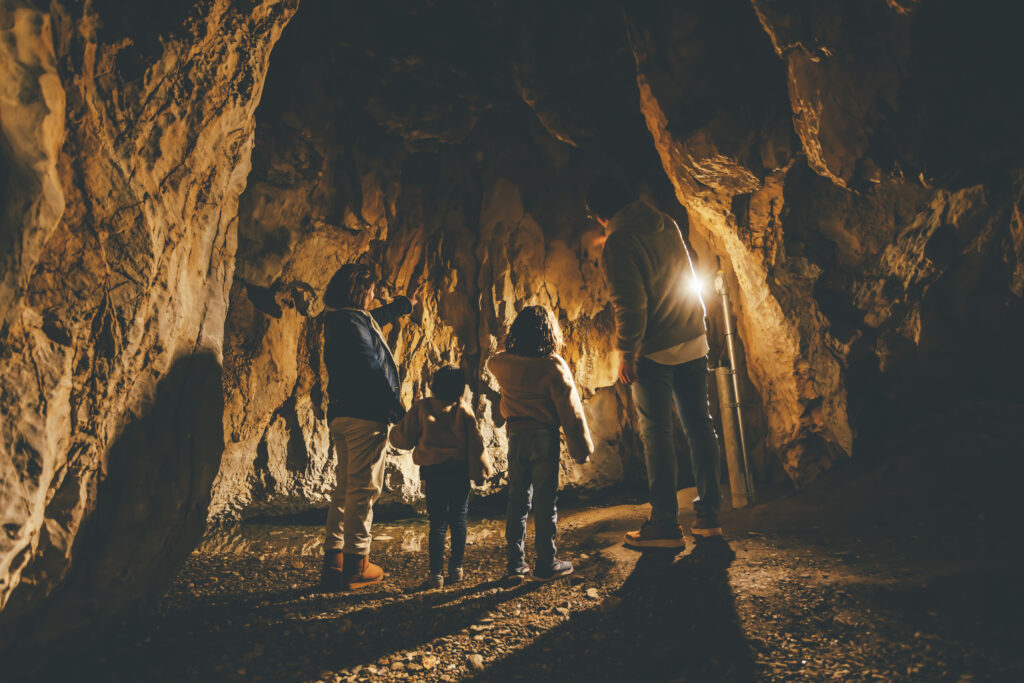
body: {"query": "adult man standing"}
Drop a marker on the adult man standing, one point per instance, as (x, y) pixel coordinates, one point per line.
(659, 317)
(364, 398)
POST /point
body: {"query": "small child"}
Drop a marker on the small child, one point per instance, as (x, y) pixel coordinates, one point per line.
(537, 395)
(448, 448)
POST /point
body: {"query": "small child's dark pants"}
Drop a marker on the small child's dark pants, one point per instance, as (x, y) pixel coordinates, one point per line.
(447, 505)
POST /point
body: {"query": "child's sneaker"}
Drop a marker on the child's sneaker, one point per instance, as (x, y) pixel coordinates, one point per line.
(557, 570)
(656, 535)
(518, 573)
(454, 575)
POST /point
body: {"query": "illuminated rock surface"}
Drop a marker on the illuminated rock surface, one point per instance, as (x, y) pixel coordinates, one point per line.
(178, 186)
(127, 155)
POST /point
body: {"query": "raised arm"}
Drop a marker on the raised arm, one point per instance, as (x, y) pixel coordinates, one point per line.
(387, 313)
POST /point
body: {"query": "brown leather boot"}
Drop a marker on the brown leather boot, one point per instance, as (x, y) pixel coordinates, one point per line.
(331, 578)
(359, 572)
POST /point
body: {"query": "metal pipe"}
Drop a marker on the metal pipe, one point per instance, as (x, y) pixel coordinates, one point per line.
(730, 344)
(730, 437)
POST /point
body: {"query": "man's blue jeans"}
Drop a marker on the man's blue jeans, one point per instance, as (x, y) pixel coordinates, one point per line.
(653, 392)
(532, 474)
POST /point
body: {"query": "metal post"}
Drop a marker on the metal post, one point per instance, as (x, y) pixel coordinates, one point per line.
(730, 344)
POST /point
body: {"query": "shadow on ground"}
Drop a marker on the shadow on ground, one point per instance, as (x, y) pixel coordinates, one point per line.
(673, 618)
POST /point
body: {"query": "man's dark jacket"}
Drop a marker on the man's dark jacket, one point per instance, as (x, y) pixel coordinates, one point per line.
(362, 380)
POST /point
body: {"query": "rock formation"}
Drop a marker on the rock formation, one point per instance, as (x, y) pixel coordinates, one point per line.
(168, 226)
(127, 140)
(476, 226)
(844, 243)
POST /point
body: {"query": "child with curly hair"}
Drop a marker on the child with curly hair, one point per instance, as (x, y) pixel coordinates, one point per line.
(538, 395)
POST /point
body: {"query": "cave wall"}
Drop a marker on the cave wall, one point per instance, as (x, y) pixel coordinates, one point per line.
(127, 131)
(467, 200)
(864, 186)
(798, 147)
(856, 165)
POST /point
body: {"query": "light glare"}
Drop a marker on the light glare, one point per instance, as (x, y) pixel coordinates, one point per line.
(697, 285)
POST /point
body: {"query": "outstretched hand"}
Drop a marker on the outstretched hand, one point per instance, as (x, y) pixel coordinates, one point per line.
(627, 372)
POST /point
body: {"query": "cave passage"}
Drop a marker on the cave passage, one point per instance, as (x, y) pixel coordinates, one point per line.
(179, 185)
(848, 582)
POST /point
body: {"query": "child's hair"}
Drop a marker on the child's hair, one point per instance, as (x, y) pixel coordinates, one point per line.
(534, 332)
(448, 383)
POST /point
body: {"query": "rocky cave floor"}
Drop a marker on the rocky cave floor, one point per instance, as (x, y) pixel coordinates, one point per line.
(866, 578)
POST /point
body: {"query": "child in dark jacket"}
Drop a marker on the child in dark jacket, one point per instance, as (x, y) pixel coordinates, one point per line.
(448, 448)
(538, 395)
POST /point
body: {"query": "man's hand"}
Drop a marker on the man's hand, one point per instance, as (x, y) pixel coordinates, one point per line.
(627, 372)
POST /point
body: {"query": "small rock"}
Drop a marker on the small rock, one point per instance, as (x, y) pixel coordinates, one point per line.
(298, 564)
(593, 594)
(476, 662)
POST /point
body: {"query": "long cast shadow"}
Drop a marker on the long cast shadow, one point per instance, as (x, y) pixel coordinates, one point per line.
(676, 620)
(288, 640)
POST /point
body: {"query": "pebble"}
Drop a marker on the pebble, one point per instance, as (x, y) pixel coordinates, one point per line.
(476, 662)
(593, 594)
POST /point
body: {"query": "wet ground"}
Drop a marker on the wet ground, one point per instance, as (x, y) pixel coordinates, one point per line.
(900, 572)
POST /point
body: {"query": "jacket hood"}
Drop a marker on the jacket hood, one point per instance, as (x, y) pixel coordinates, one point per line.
(637, 216)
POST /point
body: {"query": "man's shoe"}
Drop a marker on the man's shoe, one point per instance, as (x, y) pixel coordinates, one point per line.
(517, 573)
(359, 572)
(454, 575)
(331, 579)
(656, 535)
(557, 570)
(706, 527)
(436, 581)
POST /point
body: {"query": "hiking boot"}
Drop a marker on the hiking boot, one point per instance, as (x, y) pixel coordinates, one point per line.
(517, 573)
(557, 570)
(656, 535)
(359, 572)
(706, 527)
(331, 575)
(454, 575)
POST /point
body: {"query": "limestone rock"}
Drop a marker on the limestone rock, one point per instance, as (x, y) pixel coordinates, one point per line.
(128, 146)
(835, 270)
